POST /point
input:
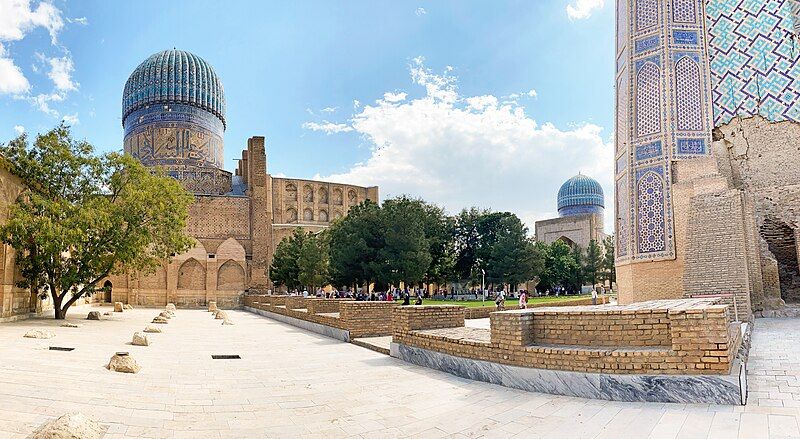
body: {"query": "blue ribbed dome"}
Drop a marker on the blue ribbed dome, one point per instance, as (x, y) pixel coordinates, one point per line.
(174, 77)
(580, 194)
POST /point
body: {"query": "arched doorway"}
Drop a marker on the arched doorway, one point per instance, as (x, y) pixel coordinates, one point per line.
(107, 287)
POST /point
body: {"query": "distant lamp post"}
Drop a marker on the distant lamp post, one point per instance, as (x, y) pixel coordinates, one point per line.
(483, 286)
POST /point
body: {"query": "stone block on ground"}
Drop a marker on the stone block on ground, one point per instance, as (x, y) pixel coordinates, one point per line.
(151, 328)
(70, 426)
(160, 320)
(128, 306)
(171, 307)
(227, 322)
(70, 325)
(221, 315)
(165, 315)
(212, 306)
(40, 333)
(123, 363)
(118, 307)
(140, 339)
(93, 315)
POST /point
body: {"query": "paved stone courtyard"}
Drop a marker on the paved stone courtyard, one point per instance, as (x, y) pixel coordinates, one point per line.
(290, 383)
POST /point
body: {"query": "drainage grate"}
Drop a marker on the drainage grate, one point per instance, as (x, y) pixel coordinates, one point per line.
(226, 357)
(60, 348)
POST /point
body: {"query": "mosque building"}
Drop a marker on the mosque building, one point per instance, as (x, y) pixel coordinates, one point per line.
(707, 174)
(173, 116)
(580, 214)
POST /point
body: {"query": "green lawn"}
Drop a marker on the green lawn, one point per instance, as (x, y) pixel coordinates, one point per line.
(490, 301)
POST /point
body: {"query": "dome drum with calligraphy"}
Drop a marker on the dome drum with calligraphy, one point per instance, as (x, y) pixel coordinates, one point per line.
(173, 114)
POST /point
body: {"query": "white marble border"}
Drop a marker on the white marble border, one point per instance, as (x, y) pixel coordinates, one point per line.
(724, 389)
(328, 331)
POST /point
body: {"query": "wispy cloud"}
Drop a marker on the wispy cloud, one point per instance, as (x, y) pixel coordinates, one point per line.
(328, 127)
(583, 9)
(19, 129)
(71, 119)
(61, 73)
(420, 12)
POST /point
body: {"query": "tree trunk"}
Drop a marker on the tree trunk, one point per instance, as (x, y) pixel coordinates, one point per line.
(58, 312)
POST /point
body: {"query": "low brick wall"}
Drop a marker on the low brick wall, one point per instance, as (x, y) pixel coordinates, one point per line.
(365, 319)
(319, 305)
(692, 337)
(295, 302)
(412, 318)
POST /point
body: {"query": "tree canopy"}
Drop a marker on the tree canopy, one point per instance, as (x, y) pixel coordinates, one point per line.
(87, 216)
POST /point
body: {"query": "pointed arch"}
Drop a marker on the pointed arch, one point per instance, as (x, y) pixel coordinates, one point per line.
(337, 196)
(192, 275)
(231, 276)
(230, 249)
(648, 100)
(291, 215)
(308, 193)
(308, 215)
(323, 215)
(323, 195)
(688, 105)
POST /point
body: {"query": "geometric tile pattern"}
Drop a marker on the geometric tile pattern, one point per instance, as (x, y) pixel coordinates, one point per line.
(755, 59)
(687, 95)
(648, 100)
(646, 14)
(651, 212)
(683, 11)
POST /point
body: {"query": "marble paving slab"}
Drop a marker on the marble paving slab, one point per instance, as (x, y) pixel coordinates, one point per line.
(328, 331)
(690, 389)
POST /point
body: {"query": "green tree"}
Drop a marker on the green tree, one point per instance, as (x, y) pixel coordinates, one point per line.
(513, 258)
(609, 271)
(313, 260)
(593, 263)
(559, 265)
(577, 276)
(405, 255)
(355, 244)
(284, 269)
(85, 217)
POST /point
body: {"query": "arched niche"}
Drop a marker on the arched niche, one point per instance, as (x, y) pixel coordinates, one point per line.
(231, 276)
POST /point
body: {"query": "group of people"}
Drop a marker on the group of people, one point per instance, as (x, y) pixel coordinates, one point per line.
(388, 296)
(500, 299)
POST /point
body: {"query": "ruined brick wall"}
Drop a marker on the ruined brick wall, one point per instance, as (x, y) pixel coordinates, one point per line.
(761, 159)
(219, 217)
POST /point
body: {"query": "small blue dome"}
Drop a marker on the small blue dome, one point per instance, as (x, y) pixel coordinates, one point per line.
(174, 77)
(579, 195)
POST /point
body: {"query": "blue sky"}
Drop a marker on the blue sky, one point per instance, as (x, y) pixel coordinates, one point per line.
(464, 103)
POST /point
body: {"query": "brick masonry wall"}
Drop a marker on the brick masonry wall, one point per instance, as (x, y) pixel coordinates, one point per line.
(364, 319)
(701, 339)
(410, 318)
(320, 305)
(295, 302)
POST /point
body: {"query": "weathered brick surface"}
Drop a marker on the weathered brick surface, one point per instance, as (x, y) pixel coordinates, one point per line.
(321, 305)
(295, 302)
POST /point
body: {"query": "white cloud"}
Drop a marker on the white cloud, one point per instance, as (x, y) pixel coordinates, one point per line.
(12, 80)
(420, 12)
(71, 119)
(532, 93)
(42, 102)
(582, 9)
(329, 109)
(19, 129)
(61, 73)
(327, 127)
(17, 18)
(356, 104)
(394, 97)
(474, 151)
(83, 21)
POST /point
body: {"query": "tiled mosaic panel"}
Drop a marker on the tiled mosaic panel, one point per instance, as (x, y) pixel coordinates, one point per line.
(755, 59)
(650, 211)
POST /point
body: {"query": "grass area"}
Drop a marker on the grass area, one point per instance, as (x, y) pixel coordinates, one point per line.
(490, 301)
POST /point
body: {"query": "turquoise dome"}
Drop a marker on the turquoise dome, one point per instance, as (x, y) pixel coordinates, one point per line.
(174, 77)
(580, 195)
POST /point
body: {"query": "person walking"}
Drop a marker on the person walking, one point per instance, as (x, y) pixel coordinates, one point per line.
(594, 296)
(523, 299)
(500, 300)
